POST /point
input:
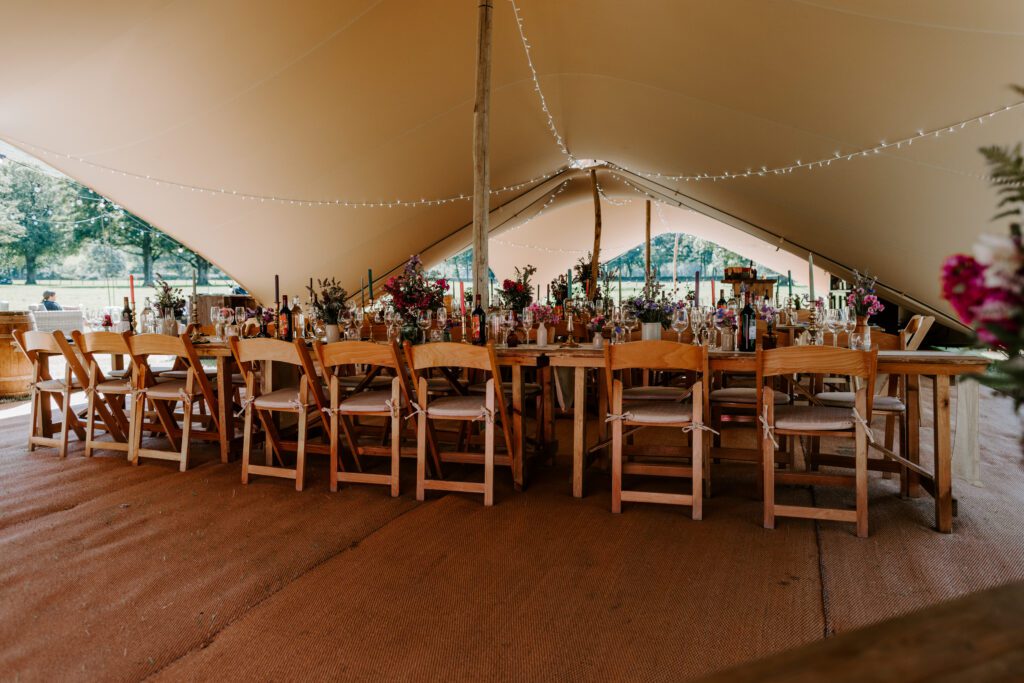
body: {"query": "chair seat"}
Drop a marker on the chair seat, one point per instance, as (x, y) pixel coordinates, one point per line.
(653, 393)
(182, 374)
(114, 386)
(813, 418)
(658, 412)
(353, 381)
(117, 374)
(529, 389)
(170, 390)
(282, 399)
(845, 399)
(366, 402)
(55, 386)
(743, 395)
(457, 406)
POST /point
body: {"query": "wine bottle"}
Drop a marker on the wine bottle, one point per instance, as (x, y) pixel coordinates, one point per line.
(748, 326)
(479, 324)
(298, 325)
(126, 317)
(284, 319)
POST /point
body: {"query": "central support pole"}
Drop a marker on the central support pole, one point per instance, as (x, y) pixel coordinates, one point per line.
(481, 154)
(595, 263)
(647, 245)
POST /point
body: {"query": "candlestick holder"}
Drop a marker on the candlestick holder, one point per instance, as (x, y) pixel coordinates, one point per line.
(465, 330)
(813, 327)
(570, 329)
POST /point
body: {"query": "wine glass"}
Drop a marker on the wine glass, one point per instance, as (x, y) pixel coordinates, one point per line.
(631, 321)
(680, 321)
(423, 322)
(719, 322)
(359, 316)
(850, 323)
(442, 319)
(389, 320)
(528, 322)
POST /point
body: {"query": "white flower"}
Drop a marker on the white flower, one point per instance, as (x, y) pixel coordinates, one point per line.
(1002, 260)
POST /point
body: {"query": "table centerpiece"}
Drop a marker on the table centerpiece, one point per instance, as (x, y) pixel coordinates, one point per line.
(412, 292)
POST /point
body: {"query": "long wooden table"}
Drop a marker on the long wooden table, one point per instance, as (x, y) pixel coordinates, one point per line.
(940, 366)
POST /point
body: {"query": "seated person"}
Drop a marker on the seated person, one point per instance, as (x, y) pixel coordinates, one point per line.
(49, 302)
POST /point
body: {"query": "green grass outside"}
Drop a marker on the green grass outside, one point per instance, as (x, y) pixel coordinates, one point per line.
(95, 293)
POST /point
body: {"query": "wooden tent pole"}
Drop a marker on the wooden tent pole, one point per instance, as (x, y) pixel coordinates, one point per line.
(481, 153)
(647, 245)
(596, 260)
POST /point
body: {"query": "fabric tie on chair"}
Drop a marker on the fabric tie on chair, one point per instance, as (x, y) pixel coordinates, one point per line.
(487, 415)
(416, 410)
(864, 424)
(613, 417)
(396, 410)
(246, 402)
(766, 428)
(694, 426)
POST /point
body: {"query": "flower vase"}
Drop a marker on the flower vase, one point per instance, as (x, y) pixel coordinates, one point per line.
(728, 340)
(332, 333)
(169, 326)
(542, 335)
(598, 341)
(411, 333)
(863, 329)
(651, 332)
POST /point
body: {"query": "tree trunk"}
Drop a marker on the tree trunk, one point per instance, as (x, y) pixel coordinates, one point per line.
(595, 263)
(30, 269)
(481, 154)
(147, 260)
(203, 271)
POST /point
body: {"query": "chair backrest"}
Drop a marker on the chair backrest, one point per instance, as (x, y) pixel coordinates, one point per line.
(914, 333)
(102, 342)
(34, 342)
(275, 350)
(818, 360)
(450, 355)
(362, 353)
(143, 345)
(656, 355)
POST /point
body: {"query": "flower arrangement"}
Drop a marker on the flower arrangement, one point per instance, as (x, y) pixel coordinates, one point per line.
(412, 291)
(168, 298)
(769, 314)
(582, 273)
(652, 305)
(559, 290)
(328, 300)
(986, 289)
(596, 324)
(517, 294)
(107, 321)
(862, 296)
(725, 317)
(544, 314)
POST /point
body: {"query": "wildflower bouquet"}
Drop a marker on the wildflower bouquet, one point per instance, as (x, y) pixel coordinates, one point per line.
(862, 297)
(328, 300)
(652, 305)
(412, 291)
(517, 294)
(169, 299)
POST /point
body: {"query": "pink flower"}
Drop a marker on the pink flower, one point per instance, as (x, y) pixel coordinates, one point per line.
(963, 285)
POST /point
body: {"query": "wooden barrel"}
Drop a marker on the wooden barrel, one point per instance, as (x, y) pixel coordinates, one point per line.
(15, 370)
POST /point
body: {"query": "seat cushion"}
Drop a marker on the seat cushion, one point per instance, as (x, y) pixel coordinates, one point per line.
(658, 412)
(114, 386)
(653, 393)
(56, 385)
(457, 406)
(170, 390)
(813, 418)
(282, 399)
(366, 402)
(123, 372)
(743, 395)
(182, 374)
(529, 388)
(845, 399)
(352, 381)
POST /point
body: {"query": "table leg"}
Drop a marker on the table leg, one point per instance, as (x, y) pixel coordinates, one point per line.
(225, 414)
(913, 437)
(518, 446)
(966, 456)
(579, 431)
(943, 457)
(544, 375)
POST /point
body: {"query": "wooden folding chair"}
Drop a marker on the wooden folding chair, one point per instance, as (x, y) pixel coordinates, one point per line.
(164, 397)
(647, 413)
(39, 347)
(106, 394)
(816, 421)
(304, 400)
(390, 403)
(467, 408)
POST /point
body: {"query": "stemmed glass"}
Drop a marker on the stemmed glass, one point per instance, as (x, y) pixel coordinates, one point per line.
(389, 320)
(850, 323)
(442, 319)
(833, 324)
(631, 322)
(680, 321)
(508, 323)
(720, 325)
(423, 322)
(528, 322)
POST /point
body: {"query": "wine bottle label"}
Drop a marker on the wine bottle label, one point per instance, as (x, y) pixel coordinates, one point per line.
(477, 327)
(283, 326)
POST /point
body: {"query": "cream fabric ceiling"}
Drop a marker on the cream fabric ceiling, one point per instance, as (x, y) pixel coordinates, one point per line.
(372, 100)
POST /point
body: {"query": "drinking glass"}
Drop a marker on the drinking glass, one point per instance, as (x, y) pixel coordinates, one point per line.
(720, 326)
(240, 314)
(528, 322)
(850, 323)
(831, 323)
(631, 322)
(680, 321)
(442, 321)
(423, 321)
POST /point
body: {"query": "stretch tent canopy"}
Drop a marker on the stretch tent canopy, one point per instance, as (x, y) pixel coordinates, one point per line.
(175, 109)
